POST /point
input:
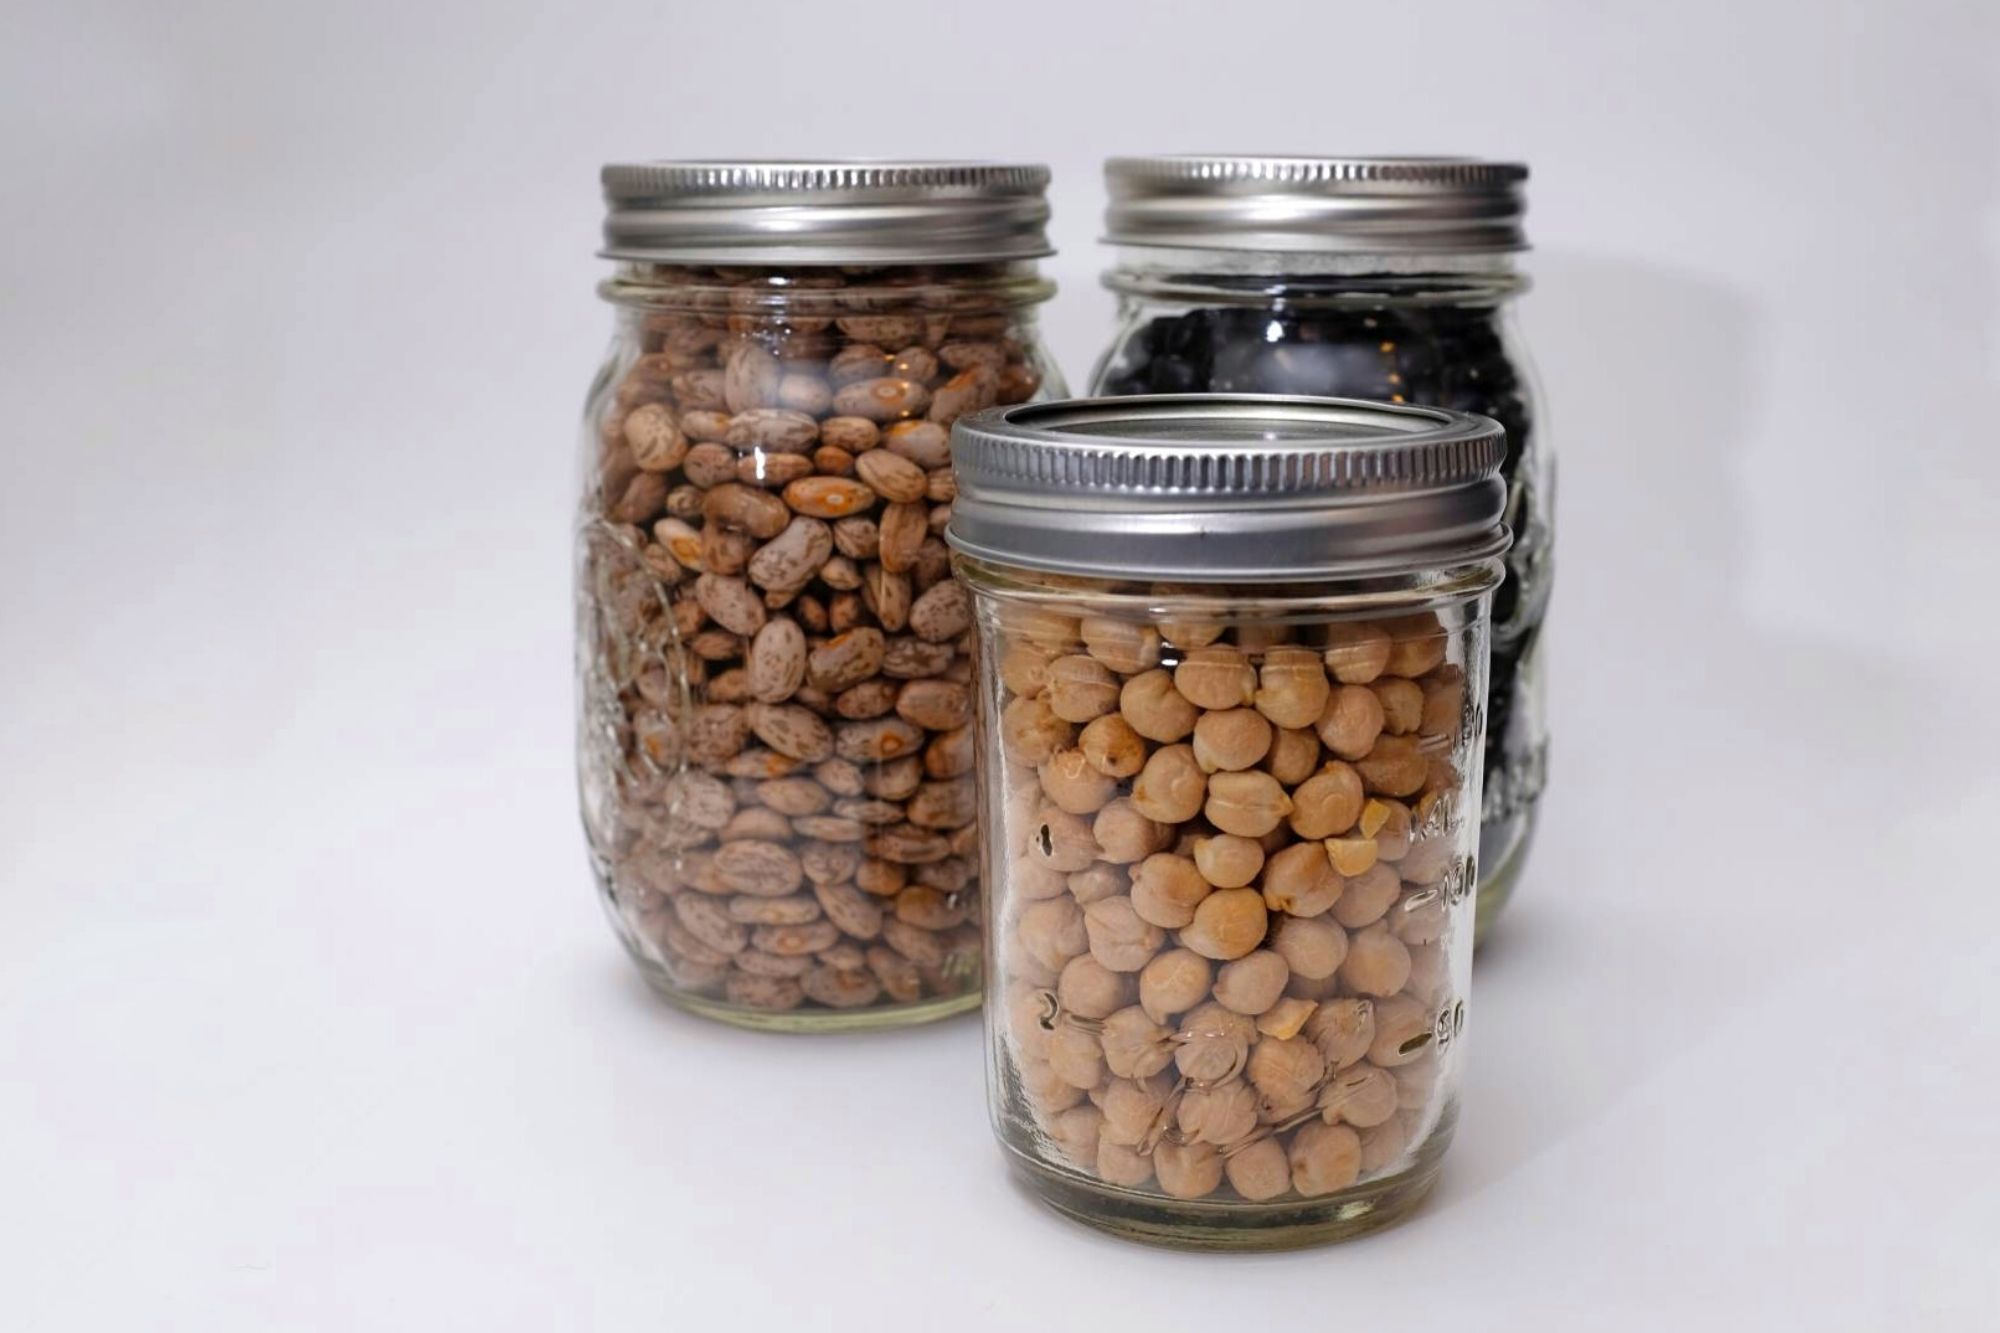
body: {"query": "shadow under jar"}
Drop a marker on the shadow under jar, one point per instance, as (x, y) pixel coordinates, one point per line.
(1381, 278)
(775, 750)
(1233, 663)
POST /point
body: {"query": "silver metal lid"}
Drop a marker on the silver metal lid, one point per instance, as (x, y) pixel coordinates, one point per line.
(825, 212)
(1355, 205)
(1227, 487)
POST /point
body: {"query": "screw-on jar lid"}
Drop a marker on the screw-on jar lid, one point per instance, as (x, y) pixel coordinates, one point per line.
(1353, 205)
(825, 212)
(1227, 487)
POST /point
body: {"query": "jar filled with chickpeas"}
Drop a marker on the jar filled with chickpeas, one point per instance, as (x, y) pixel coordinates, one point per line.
(775, 744)
(1233, 664)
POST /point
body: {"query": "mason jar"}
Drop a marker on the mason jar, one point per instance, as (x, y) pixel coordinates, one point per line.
(1232, 676)
(1390, 279)
(775, 752)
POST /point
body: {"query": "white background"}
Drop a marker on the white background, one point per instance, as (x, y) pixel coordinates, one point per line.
(307, 1018)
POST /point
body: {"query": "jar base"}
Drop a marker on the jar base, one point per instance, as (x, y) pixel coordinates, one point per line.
(1497, 885)
(861, 1019)
(1194, 1224)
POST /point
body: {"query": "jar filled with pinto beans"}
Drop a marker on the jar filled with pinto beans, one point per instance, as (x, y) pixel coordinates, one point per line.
(1233, 669)
(775, 749)
(1388, 278)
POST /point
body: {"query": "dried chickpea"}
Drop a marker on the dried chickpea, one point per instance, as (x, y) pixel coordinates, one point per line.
(1112, 747)
(1213, 1044)
(1227, 924)
(1187, 1170)
(1402, 704)
(1024, 667)
(1328, 802)
(1418, 644)
(1377, 963)
(1119, 937)
(1324, 1158)
(1231, 739)
(1367, 897)
(1075, 1057)
(1061, 841)
(1047, 1088)
(1221, 1114)
(1356, 653)
(1362, 1096)
(1246, 804)
(1173, 983)
(1312, 947)
(1294, 755)
(1351, 722)
(1135, 1045)
(1285, 1072)
(1134, 1108)
(1073, 784)
(1123, 646)
(1351, 855)
(1403, 1032)
(1388, 822)
(1227, 861)
(1286, 1018)
(1030, 731)
(1292, 687)
(1260, 1171)
(1394, 766)
(1153, 708)
(1166, 890)
(1052, 932)
(1081, 688)
(1299, 881)
(1088, 989)
(1253, 983)
(1344, 1030)
(1119, 1165)
(1383, 1144)
(1216, 677)
(1171, 786)
(1124, 835)
(1075, 1132)
(1097, 881)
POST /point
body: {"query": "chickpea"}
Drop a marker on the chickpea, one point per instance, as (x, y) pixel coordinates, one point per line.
(1051, 932)
(1042, 627)
(1231, 740)
(1120, 1165)
(1328, 802)
(1135, 1046)
(1286, 1018)
(1153, 708)
(1377, 963)
(1075, 1132)
(1173, 983)
(1212, 1044)
(1430, 976)
(1171, 786)
(1388, 823)
(1246, 804)
(1362, 1096)
(1402, 704)
(1444, 703)
(1028, 880)
(1396, 766)
(1300, 881)
(1420, 919)
(1133, 1108)
(1221, 1114)
(1294, 755)
(1101, 880)
(1292, 687)
(1312, 947)
(1343, 1030)
(1356, 653)
(1125, 835)
(1024, 667)
(1253, 983)
(1227, 924)
(1070, 781)
(1416, 1082)
(1427, 861)
(1030, 732)
(1188, 633)
(1351, 721)
(1187, 1170)
(1403, 1032)
(1081, 688)
(1075, 1057)
(1166, 889)
(1324, 1158)
(1216, 677)
(1088, 989)
(1383, 1144)
(1112, 747)
(1123, 646)
(1046, 1088)
(1418, 644)
(1368, 897)
(1061, 841)
(1119, 937)
(1227, 861)
(1286, 1072)
(1351, 855)
(1259, 1172)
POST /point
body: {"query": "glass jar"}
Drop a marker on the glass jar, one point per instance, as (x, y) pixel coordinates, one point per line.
(1233, 666)
(1378, 278)
(775, 752)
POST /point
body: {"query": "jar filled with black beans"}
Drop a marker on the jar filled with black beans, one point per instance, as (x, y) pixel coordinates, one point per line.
(1381, 278)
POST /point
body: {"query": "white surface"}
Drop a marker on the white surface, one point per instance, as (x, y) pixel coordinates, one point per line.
(307, 1019)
